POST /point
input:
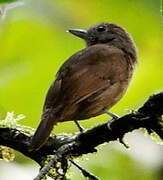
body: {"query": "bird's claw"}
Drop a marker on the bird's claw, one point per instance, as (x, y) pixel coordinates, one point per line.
(81, 129)
(114, 116)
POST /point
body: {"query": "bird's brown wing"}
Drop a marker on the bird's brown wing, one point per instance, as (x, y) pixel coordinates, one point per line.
(84, 74)
(101, 68)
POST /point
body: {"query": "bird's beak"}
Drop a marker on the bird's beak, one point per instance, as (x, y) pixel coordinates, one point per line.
(79, 32)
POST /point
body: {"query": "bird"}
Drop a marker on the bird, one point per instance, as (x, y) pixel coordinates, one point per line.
(91, 81)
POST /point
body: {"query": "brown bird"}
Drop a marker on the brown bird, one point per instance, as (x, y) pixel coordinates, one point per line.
(90, 81)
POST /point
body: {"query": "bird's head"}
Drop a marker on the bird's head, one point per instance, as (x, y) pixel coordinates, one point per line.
(107, 33)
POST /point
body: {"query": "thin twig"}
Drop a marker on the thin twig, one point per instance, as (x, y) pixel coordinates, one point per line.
(47, 167)
(85, 173)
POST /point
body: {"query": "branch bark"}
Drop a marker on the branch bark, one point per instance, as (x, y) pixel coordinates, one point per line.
(149, 116)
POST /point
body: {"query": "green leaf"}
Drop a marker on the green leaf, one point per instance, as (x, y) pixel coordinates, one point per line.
(7, 1)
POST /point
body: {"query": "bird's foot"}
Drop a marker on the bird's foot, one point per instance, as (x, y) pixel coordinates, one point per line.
(114, 116)
(81, 129)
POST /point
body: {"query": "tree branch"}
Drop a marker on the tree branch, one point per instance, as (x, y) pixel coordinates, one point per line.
(65, 147)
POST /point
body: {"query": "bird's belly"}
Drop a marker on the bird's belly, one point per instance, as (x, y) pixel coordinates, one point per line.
(105, 100)
(95, 104)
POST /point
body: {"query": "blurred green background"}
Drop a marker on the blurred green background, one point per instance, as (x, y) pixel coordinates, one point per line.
(33, 45)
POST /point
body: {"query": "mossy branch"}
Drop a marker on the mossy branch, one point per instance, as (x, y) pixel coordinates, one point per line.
(61, 148)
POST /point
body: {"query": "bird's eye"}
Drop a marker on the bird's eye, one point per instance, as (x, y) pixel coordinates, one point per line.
(101, 29)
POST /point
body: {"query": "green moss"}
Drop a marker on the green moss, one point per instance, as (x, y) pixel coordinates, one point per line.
(6, 153)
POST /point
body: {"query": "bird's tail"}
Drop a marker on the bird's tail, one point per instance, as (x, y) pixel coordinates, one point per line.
(43, 130)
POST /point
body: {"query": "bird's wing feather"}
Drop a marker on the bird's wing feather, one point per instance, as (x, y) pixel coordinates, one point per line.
(88, 73)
